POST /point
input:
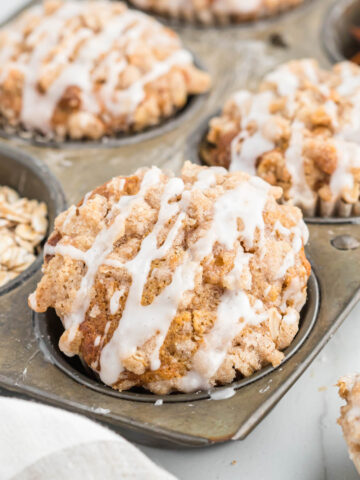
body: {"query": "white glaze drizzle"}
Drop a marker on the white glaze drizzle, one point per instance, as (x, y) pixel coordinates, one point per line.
(285, 81)
(288, 262)
(207, 178)
(300, 192)
(240, 275)
(233, 314)
(291, 317)
(349, 157)
(294, 293)
(287, 84)
(222, 394)
(250, 196)
(299, 233)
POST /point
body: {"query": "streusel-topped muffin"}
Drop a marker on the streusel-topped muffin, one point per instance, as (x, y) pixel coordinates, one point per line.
(177, 283)
(349, 389)
(216, 11)
(299, 131)
(89, 69)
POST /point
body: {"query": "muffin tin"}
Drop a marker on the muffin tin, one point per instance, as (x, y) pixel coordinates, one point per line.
(30, 361)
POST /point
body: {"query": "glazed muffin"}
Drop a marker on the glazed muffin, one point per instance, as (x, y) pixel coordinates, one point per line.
(83, 70)
(300, 131)
(349, 390)
(177, 283)
(216, 11)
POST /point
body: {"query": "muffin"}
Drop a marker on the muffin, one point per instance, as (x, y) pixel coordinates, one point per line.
(83, 70)
(300, 131)
(349, 390)
(216, 11)
(176, 283)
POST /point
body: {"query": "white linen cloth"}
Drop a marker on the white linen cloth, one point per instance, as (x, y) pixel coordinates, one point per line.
(38, 442)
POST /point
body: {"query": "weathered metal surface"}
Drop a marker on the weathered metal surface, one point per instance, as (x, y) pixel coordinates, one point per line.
(237, 57)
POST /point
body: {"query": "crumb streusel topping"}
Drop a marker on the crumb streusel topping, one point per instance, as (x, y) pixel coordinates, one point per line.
(299, 131)
(89, 69)
(177, 283)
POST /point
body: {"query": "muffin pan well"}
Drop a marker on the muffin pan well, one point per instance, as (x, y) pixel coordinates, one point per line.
(30, 363)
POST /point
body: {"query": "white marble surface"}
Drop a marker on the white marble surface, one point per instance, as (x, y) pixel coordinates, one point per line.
(299, 440)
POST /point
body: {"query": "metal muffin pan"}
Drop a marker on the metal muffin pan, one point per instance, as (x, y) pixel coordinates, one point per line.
(30, 363)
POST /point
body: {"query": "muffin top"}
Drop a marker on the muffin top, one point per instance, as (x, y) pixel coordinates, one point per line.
(176, 283)
(299, 131)
(89, 69)
(210, 11)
